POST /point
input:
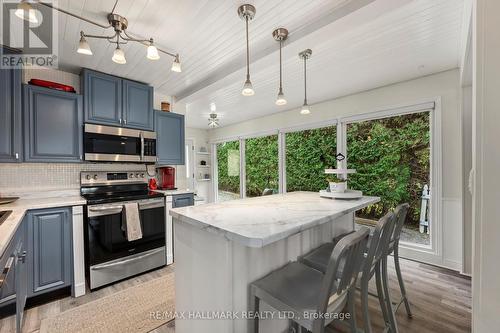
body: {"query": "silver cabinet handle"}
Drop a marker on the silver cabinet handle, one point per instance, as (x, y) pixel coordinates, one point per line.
(124, 121)
(17, 156)
(120, 120)
(142, 145)
(5, 271)
(22, 257)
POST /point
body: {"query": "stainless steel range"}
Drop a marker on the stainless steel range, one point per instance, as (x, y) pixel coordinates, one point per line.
(109, 254)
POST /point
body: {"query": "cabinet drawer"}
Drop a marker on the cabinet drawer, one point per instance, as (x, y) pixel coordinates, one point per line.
(182, 200)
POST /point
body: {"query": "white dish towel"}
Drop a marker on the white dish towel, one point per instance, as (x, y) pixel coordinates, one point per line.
(132, 221)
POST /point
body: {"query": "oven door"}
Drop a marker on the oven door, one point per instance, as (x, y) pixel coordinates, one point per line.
(105, 238)
(115, 144)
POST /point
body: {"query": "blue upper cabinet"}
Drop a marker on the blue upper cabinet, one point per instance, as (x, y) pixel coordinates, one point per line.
(137, 105)
(10, 115)
(111, 100)
(169, 138)
(53, 125)
(103, 98)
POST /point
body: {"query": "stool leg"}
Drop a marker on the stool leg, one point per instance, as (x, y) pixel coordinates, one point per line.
(380, 293)
(350, 307)
(385, 285)
(401, 282)
(364, 304)
(253, 324)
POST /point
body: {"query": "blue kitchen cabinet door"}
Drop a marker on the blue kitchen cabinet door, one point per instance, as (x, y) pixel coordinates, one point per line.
(53, 125)
(10, 116)
(170, 139)
(102, 98)
(137, 106)
(49, 250)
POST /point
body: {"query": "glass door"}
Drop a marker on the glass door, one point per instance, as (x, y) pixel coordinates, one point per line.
(228, 171)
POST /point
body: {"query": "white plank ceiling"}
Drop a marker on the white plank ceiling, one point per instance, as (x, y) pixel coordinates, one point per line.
(383, 42)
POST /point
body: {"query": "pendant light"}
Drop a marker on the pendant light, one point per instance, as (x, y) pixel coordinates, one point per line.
(152, 51)
(176, 64)
(247, 12)
(83, 45)
(119, 56)
(280, 35)
(26, 12)
(306, 54)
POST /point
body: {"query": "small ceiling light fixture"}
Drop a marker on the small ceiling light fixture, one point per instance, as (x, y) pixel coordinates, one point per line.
(176, 64)
(152, 51)
(306, 54)
(213, 121)
(213, 107)
(119, 56)
(26, 12)
(280, 35)
(83, 46)
(247, 12)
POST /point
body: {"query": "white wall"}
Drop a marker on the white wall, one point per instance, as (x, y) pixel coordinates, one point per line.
(466, 167)
(445, 85)
(486, 163)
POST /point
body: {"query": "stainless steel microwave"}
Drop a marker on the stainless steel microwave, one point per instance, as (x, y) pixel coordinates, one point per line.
(116, 144)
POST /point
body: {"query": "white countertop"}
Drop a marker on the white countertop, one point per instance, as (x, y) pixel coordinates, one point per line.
(22, 205)
(257, 222)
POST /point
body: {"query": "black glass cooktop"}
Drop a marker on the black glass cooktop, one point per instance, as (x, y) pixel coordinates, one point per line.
(106, 194)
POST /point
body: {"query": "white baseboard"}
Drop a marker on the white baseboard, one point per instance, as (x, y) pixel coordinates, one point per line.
(79, 290)
(170, 259)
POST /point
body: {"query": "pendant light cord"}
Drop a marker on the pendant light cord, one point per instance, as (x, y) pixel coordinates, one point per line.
(281, 66)
(305, 81)
(248, 52)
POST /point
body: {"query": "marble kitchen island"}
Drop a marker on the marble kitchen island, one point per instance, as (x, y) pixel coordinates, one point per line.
(220, 248)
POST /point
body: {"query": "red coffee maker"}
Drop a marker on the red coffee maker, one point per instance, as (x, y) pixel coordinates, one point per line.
(167, 175)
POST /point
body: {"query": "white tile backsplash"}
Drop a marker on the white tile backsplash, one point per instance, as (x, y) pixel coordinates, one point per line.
(20, 177)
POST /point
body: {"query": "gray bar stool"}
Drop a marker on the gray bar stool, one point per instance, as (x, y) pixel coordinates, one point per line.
(400, 212)
(301, 289)
(377, 249)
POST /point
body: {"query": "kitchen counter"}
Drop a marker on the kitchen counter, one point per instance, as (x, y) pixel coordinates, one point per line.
(236, 242)
(257, 222)
(28, 202)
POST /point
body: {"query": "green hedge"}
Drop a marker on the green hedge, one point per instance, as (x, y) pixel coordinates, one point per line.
(391, 157)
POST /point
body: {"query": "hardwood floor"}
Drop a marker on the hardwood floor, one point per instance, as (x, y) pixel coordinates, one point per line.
(440, 301)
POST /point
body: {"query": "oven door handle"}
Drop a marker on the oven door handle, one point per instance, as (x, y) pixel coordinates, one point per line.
(121, 262)
(104, 209)
(149, 205)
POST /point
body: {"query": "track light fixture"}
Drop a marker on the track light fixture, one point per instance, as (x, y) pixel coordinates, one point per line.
(306, 54)
(117, 22)
(247, 13)
(280, 35)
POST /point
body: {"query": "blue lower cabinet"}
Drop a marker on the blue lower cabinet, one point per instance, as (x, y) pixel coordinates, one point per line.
(49, 250)
(53, 125)
(170, 138)
(13, 265)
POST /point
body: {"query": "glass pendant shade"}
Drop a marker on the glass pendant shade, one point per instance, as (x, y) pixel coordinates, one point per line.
(248, 88)
(26, 12)
(84, 47)
(281, 100)
(152, 53)
(176, 65)
(119, 56)
(305, 109)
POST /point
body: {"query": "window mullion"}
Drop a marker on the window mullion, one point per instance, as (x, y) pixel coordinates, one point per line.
(243, 174)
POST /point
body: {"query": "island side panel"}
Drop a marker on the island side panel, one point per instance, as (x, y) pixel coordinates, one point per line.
(213, 273)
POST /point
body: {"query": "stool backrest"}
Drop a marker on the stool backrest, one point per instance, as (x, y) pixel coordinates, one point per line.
(400, 212)
(379, 242)
(350, 251)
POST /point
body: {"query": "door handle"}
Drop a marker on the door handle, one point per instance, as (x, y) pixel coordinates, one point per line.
(103, 209)
(142, 145)
(122, 262)
(17, 156)
(22, 257)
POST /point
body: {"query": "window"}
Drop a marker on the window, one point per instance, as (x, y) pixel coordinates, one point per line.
(308, 154)
(261, 166)
(392, 160)
(228, 170)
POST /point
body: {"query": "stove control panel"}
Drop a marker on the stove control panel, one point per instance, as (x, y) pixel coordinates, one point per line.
(95, 178)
